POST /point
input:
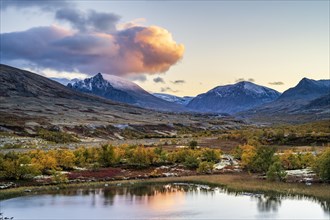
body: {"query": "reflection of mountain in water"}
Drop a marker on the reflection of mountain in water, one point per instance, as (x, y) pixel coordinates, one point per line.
(163, 193)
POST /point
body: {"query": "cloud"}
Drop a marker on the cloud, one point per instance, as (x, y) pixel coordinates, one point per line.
(243, 79)
(135, 50)
(239, 80)
(45, 5)
(88, 21)
(158, 80)
(167, 89)
(139, 78)
(276, 83)
(180, 81)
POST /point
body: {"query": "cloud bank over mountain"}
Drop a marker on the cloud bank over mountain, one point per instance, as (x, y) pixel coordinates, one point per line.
(92, 44)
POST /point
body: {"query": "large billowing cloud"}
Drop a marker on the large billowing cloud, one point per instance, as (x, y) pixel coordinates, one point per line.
(87, 49)
(93, 44)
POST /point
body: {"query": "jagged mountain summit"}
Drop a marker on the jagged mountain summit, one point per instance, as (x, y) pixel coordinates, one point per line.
(30, 102)
(307, 89)
(308, 100)
(233, 98)
(172, 98)
(121, 90)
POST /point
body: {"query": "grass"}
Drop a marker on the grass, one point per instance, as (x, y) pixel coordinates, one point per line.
(232, 182)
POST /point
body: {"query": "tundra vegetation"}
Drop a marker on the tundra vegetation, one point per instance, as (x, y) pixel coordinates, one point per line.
(253, 159)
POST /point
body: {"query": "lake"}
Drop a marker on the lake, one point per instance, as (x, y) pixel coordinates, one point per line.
(169, 201)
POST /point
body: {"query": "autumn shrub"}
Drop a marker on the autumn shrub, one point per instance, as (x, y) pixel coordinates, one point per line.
(210, 155)
(56, 136)
(276, 172)
(322, 165)
(205, 167)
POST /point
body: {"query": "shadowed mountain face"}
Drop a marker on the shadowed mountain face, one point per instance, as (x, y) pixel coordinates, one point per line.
(233, 98)
(30, 101)
(308, 100)
(118, 89)
(307, 89)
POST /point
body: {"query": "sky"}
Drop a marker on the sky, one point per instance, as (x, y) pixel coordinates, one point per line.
(178, 47)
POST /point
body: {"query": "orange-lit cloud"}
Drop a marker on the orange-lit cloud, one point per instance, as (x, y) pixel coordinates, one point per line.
(86, 48)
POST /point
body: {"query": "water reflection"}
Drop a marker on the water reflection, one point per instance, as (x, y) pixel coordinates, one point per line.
(165, 201)
(267, 204)
(174, 193)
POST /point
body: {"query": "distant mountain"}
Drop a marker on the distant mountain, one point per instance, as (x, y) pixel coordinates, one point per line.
(308, 100)
(233, 98)
(307, 89)
(64, 81)
(30, 102)
(172, 98)
(121, 90)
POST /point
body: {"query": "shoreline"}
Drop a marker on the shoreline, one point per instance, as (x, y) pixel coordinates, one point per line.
(230, 182)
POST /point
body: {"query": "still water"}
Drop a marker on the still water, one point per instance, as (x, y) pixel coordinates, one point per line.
(170, 201)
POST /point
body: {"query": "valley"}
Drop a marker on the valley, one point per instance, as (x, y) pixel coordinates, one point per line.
(55, 136)
(164, 110)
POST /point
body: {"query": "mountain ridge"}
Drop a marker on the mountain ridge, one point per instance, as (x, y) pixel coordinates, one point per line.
(118, 89)
(233, 98)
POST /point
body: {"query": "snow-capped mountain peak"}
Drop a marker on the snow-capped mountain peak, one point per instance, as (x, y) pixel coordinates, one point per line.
(121, 90)
(233, 98)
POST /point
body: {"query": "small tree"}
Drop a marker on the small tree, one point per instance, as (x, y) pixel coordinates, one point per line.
(210, 155)
(205, 167)
(191, 161)
(140, 158)
(276, 172)
(193, 144)
(322, 165)
(107, 156)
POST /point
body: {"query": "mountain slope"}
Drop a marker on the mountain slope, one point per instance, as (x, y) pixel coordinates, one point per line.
(308, 100)
(172, 98)
(118, 89)
(30, 102)
(233, 98)
(307, 89)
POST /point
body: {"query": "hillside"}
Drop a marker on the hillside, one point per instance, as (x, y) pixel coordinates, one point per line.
(121, 90)
(233, 98)
(30, 102)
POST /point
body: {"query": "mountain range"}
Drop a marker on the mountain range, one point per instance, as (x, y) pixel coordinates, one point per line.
(233, 98)
(30, 102)
(308, 99)
(121, 90)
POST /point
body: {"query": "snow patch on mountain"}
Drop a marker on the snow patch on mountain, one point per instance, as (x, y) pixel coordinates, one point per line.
(172, 98)
(233, 98)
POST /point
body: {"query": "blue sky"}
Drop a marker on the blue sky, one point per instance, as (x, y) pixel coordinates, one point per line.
(273, 43)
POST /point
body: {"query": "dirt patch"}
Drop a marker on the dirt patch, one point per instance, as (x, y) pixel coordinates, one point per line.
(105, 173)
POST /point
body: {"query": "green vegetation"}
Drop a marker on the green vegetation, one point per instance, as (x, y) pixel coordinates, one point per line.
(255, 159)
(193, 144)
(322, 165)
(12, 146)
(276, 172)
(263, 159)
(205, 167)
(56, 136)
(316, 133)
(29, 164)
